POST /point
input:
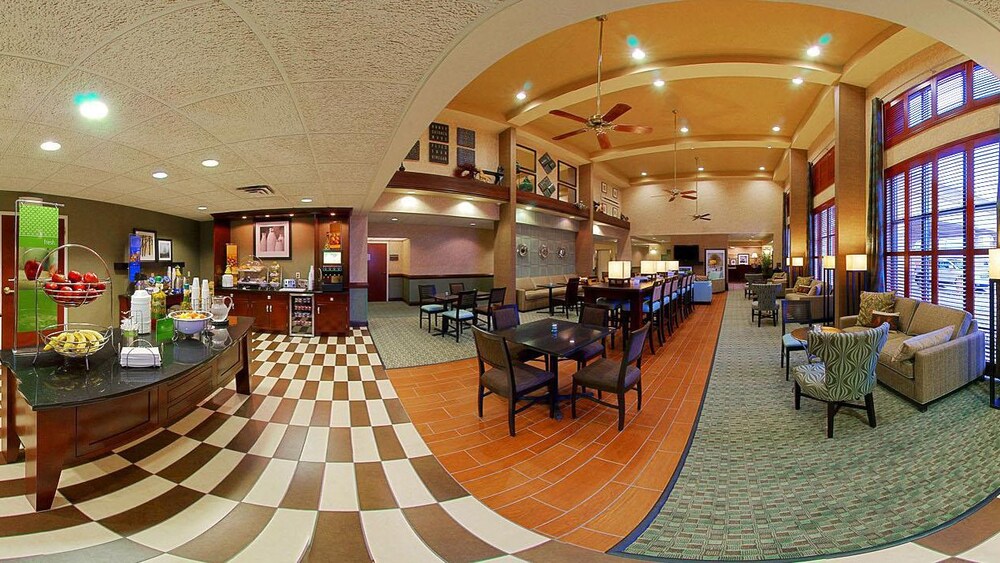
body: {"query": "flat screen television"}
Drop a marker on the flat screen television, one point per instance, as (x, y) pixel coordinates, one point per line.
(687, 254)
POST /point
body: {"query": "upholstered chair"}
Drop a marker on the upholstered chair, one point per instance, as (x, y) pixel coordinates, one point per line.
(796, 312)
(618, 377)
(766, 303)
(428, 306)
(845, 372)
(752, 279)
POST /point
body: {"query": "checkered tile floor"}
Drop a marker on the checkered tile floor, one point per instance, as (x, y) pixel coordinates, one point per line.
(321, 463)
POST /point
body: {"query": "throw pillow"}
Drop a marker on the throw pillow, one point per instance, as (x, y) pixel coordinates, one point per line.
(879, 317)
(803, 289)
(803, 280)
(816, 289)
(871, 301)
(922, 342)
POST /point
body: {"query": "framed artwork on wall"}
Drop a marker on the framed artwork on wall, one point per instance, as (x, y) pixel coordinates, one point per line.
(438, 132)
(604, 188)
(743, 259)
(465, 156)
(614, 194)
(525, 182)
(715, 263)
(567, 193)
(732, 261)
(546, 187)
(147, 245)
(465, 138)
(526, 159)
(548, 165)
(614, 211)
(414, 153)
(437, 153)
(272, 239)
(165, 250)
(567, 174)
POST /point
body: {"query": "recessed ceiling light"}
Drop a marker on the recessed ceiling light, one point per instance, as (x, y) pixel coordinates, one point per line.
(530, 207)
(522, 95)
(813, 51)
(411, 193)
(684, 129)
(332, 214)
(472, 224)
(659, 82)
(202, 208)
(50, 146)
(638, 54)
(797, 80)
(266, 216)
(159, 175)
(701, 169)
(291, 215)
(776, 129)
(91, 106)
(210, 163)
(394, 219)
(761, 169)
(768, 146)
(643, 173)
(243, 217)
(306, 200)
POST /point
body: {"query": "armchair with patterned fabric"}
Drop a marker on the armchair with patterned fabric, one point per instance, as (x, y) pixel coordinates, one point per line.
(845, 373)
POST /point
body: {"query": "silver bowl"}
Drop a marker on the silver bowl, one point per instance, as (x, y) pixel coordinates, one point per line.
(190, 326)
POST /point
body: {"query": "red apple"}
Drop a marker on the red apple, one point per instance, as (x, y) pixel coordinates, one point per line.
(58, 278)
(99, 286)
(90, 277)
(50, 286)
(79, 287)
(31, 268)
(74, 276)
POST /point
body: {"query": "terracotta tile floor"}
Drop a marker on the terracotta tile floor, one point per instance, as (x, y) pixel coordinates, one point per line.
(579, 480)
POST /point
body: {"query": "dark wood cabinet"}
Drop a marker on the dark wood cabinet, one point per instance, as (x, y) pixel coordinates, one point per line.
(332, 313)
(268, 309)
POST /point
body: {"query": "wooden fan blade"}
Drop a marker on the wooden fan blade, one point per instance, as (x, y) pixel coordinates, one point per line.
(570, 134)
(568, 115)
(616, 112)
(641, 129)
(685, 192)
(604, 141)
(692, 198)
(673, 197)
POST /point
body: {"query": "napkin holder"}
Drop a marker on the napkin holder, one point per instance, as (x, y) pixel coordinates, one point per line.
(140, 357)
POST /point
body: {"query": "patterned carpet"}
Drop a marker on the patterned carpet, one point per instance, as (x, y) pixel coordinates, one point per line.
(402, 343)
(761, 481)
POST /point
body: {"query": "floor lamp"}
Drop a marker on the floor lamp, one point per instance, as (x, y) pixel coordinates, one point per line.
(829, 270)
(857, 268)
(994, 262)
(797, 262)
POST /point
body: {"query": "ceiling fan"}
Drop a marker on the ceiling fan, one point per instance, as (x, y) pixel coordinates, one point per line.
(674, 192)
(698, 216)
(600, 124)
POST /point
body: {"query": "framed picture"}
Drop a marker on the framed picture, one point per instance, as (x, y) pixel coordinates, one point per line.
(525, 182)
(414, 153)
(437, 153)
(732, 261)
(165, 250)
(465, 156)
(147, 245)
(715, 263)
(614, 211)
(526, 159)
(567, 174)
(548, 165)
(438, 132)
(545, 187)
(743, 259)
(272, 239)
(465, 138)
(614, 194)
(604, 188)
(567, 193)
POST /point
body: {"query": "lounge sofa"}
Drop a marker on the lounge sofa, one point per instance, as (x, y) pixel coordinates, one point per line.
(530, 298)
(936, 371)
(815, 297)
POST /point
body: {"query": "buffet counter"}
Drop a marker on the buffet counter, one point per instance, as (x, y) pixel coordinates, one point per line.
(64, 414)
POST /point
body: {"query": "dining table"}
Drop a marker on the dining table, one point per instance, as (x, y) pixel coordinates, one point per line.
(449, 300)
(634, 293)
(551, 287)
(563, 341)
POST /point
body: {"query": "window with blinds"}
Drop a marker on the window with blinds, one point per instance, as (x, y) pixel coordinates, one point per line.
(955, 91)
(941, 218)
(824, 235)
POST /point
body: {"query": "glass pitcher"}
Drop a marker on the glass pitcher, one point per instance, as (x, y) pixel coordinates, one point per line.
(221, 305)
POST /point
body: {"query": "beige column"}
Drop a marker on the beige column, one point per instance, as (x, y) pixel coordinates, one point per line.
(505, 235)
(852, 178)
(358, 280)
(798, 204)
(585, 236)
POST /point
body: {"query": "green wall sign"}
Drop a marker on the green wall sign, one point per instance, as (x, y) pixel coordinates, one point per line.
(37, 235)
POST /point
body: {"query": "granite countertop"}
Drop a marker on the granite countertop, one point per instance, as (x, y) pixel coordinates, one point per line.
(54, 381)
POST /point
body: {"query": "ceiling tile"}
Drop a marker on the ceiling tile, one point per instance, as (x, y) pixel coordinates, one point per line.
(22, 81)
(56, 188)
(342, 188)
(354, 173)
(197, 53)
(299, 190)
(144, 174)
(118, 186)
(349, 107)
(74, 144)
(237, 179)
(229, 161)
(23, 167)
(196, 186)
(127, 107)
(166, 135)
(8, 130)
(250, 114)
(80, 175)
(113, 157)
(272, 151)
(348, 147)
(15, 184)
(292, 173)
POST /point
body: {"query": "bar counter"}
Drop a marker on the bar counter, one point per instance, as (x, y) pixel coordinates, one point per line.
(64, 414)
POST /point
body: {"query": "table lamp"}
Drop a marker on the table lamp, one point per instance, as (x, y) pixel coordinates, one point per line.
(857, 266)
(619, 271)
(661, 267)
(994, 262)
(673, 265)
(647, 267)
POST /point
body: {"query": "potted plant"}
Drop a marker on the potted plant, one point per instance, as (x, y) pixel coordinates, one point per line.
(766, 263)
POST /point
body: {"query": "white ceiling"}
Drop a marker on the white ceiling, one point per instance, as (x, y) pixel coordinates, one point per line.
(299, 94)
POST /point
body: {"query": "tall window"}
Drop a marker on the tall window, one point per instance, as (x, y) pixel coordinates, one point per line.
(950, 93)
(941, 217)
(824, 235)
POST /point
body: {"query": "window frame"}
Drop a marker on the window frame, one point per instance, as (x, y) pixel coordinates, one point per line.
(826, 211)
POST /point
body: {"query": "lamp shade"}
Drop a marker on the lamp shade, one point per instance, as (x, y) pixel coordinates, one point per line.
(995, 263)
(857, 262)
(673, 265)
(753, 256)
(619, 270)
(798, 261)
(788, 261)
(647, 267)
(829, 262)
(661, 266)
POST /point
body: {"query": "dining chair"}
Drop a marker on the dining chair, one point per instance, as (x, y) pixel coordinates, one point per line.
(500, 375)
(428, 306)
(798, 312)
(456, 287)
(766, 303)
(610, 376)
(461, 314)
(595, 315)
(845, 372)
(497, 296)
(507, 316)
(571, 299)
(751, 280)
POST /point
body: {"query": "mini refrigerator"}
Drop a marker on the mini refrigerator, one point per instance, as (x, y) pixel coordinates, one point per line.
(301, 319)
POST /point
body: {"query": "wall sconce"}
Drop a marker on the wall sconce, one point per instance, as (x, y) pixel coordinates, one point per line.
(753, 256)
